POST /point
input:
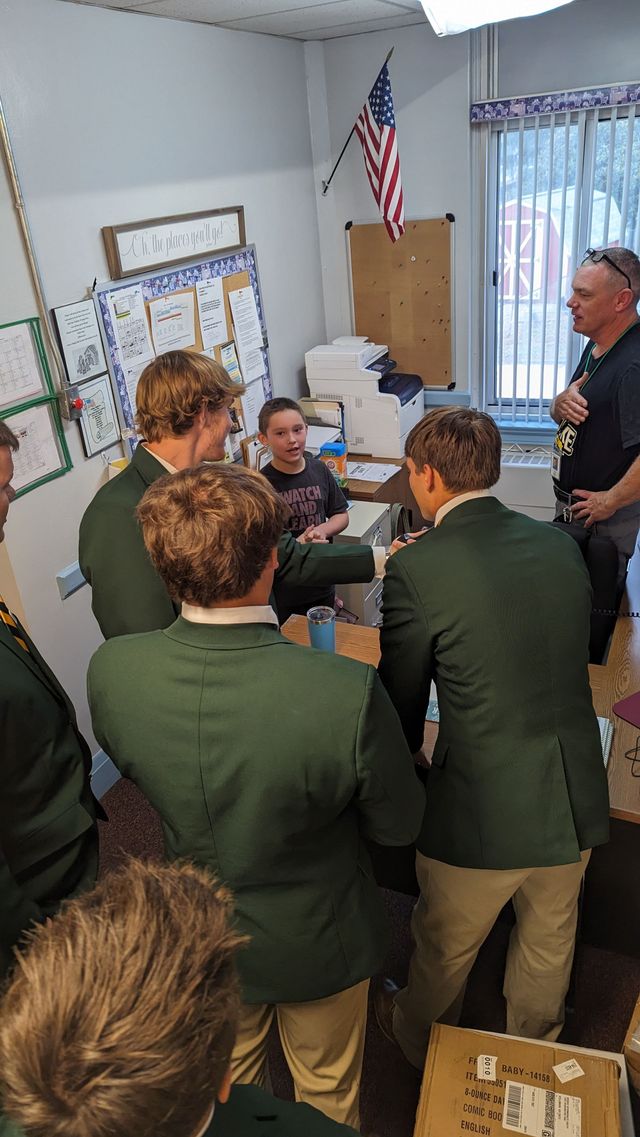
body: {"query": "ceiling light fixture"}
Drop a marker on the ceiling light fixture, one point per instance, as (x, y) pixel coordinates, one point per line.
(449, 17)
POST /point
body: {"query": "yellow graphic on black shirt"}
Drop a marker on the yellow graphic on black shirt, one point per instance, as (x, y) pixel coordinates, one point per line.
(565, 439)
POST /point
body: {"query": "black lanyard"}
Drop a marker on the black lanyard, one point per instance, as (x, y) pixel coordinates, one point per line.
(600, 358)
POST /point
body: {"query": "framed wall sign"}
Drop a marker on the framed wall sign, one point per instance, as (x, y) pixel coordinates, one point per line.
(80, 341)
(98, 422)
(142, 245)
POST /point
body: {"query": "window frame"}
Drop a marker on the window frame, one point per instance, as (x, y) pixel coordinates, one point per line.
(523, 418)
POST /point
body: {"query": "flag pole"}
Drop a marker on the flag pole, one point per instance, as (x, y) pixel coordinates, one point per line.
(325, 185)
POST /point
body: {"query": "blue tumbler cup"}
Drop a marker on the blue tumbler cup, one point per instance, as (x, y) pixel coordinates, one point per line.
(322, 628)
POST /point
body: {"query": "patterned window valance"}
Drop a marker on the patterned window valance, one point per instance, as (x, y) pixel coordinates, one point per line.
(622, 95)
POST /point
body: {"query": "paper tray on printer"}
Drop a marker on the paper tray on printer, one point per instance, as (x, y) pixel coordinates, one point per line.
(404, 387)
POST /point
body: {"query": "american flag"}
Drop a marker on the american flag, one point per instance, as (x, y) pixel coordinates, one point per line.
(376, 129)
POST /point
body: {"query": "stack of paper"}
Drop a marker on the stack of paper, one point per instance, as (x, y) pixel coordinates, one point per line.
(371, 471)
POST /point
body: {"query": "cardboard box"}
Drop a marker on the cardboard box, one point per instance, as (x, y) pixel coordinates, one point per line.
(631, 1048)
(489, 1085)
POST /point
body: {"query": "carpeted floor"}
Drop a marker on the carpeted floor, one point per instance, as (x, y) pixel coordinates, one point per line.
(606, 988)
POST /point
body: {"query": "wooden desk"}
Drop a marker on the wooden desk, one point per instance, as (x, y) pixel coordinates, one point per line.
(352, 640)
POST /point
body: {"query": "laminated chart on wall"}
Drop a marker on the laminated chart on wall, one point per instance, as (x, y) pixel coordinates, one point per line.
(38, 456)
(211, 306)
(21, 375)
(29, 406)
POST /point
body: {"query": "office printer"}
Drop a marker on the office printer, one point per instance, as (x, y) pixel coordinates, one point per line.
(380, 405)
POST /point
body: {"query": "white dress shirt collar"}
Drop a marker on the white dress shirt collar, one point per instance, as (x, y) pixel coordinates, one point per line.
(167, 465)
(449, 505)
(252, 614)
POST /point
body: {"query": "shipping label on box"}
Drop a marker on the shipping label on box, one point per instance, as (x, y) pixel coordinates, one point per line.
(529, 1109)
(485, 1085)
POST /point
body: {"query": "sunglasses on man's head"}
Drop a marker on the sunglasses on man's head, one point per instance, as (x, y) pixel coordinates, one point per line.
(597, 255)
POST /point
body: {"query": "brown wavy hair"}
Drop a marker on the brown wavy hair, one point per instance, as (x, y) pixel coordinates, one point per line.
(209, 531)
(463, 445)
(120, 1016)
(173, 388)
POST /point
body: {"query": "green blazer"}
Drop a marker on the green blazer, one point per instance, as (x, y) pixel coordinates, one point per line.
(127, 595)
(271, 764)
(48, 832)
(252, 1112)
(495, 608)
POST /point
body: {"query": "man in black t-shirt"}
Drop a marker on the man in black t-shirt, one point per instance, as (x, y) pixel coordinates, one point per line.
(318, 505)
(596, 458)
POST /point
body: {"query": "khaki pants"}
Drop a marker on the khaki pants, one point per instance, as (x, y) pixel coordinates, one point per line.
(454, 914)
(323, 1042)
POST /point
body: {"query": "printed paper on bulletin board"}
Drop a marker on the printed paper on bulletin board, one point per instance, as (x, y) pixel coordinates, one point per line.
(236, 270)
(402, 295)
(193, 340)
(229, 284)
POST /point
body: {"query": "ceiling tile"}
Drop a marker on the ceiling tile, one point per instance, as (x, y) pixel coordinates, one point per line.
(220, 11)
(126, 5)
(315, 17)
(302, 19)
(361, 27)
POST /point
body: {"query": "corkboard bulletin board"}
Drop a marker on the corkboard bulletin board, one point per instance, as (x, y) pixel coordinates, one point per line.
(229, 284)
(237, 269)
(402, 294)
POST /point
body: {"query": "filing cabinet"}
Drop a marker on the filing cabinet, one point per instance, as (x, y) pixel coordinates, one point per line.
(369, 524)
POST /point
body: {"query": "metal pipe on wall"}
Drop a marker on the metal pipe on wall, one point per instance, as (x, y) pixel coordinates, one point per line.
(58, 371)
